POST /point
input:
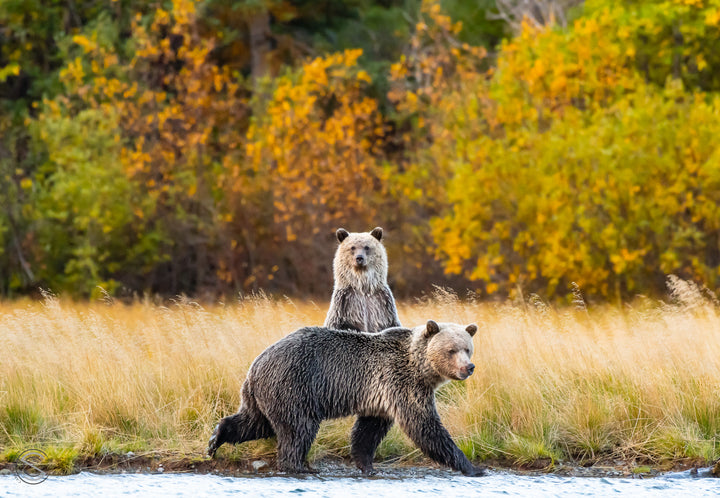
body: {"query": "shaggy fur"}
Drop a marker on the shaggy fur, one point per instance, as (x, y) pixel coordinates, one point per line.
(362, 301)
(361, 298)
(318, 373)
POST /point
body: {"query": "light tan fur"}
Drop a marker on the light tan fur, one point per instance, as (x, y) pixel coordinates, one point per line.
(361, 298)
(365, 279)
(444, 354)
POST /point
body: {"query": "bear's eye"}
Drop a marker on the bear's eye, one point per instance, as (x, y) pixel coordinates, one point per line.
(453, 351)
(352, 248)
(367, 248)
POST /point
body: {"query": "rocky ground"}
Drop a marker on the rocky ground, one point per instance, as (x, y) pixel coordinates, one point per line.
(153, 463)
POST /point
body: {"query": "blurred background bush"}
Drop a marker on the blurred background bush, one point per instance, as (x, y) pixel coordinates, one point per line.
(507, 147)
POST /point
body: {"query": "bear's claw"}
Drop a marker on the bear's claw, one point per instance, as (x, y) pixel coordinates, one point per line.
(213, 444)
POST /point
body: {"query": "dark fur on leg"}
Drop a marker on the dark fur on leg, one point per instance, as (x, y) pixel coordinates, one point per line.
(367, 433)
(426, 431)
(294, 444)
(243, 426)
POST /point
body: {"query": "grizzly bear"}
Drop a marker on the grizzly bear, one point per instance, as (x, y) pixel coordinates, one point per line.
(362, 301)
(317, 373)
(361, 298)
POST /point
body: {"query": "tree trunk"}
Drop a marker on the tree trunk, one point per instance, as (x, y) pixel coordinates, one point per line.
(259, 25)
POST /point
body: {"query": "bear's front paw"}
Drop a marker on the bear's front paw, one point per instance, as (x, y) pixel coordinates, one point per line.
(475, 471)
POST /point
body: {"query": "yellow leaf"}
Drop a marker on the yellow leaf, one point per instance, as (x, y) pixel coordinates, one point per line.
(85, 43)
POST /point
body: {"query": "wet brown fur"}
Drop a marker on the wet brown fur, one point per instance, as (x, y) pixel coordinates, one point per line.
(318, 373)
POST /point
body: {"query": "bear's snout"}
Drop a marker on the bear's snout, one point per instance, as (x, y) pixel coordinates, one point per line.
(360, 260)
(468, 370)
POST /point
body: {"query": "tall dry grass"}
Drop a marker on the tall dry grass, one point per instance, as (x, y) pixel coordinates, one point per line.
(632, 382)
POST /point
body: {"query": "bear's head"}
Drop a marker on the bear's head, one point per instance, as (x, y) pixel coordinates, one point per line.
(448, 348)
(360, 260)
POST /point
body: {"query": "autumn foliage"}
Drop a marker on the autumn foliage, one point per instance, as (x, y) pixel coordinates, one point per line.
(582, 169)
(146, 158)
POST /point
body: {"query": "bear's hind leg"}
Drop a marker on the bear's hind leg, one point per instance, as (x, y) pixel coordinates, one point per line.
(246, 425)
(294, 442)
(366, 436)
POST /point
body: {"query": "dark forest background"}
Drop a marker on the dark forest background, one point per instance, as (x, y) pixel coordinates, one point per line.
(210, 147)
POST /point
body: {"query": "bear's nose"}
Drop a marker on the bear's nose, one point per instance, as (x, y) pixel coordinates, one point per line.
(360, 260)
(470, 368)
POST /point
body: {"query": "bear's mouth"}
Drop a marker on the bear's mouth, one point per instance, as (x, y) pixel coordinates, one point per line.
(462, 375)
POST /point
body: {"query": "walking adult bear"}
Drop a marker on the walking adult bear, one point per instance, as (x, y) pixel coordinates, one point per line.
(317, 373)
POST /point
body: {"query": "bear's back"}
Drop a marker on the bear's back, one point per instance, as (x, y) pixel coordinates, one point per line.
(310, 348)
(326, 371)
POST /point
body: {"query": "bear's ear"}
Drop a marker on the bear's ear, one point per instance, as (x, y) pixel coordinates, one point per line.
(471, 329)
(431, 329)
(377, 233)
(341, 234)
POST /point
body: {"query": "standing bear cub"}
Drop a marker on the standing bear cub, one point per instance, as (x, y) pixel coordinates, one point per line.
(318, 373)
(361, 298)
